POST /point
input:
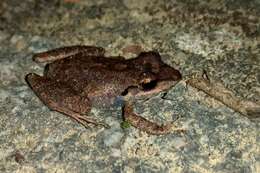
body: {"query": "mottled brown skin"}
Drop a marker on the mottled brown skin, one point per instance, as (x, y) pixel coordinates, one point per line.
(78, 77)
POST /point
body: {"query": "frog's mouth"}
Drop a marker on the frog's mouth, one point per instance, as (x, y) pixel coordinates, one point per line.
(148, 88)
(155, 86)
(144, 86)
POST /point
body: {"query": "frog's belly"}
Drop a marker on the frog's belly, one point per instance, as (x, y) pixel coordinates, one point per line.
(105, 94)
(106, 101)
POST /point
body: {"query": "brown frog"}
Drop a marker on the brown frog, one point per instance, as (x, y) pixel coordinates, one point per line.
(78, 77)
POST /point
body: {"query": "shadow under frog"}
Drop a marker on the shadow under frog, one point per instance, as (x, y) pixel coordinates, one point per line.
(79, 77)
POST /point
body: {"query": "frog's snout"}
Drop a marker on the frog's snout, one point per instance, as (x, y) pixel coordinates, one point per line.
(169, 74)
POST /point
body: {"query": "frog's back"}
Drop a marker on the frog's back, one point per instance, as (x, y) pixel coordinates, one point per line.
(91, 73)
(67, 66)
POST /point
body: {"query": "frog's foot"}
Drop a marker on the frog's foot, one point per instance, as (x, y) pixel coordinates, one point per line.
(146, 125)
(63, 52)
(61, 98)
(83, 120)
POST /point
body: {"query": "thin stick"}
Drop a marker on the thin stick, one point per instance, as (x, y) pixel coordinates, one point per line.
(218, 91)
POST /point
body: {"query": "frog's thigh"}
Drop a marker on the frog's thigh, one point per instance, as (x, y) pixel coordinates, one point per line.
(60, 97)
(63, 52)
(57, 94)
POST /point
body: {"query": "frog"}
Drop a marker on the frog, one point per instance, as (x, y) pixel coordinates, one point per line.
(78, 77)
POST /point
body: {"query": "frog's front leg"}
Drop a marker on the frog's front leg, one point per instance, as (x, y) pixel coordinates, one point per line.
(61, 98)
(146, 125)
(63, 52)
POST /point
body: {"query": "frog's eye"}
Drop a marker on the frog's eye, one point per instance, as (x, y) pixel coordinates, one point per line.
(147, 67)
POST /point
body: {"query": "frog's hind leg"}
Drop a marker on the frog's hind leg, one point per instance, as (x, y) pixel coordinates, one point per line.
(63, 52)
(61, 98)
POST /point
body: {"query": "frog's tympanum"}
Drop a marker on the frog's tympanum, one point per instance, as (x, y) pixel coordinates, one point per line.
(79, 77)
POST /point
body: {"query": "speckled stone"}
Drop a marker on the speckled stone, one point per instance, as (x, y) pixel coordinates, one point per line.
(221, 37)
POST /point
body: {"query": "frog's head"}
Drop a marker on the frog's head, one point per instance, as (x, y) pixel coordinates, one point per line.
(154, 75)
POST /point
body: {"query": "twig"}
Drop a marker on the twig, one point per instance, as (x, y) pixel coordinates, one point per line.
(218, 91)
